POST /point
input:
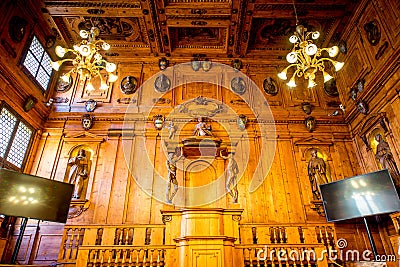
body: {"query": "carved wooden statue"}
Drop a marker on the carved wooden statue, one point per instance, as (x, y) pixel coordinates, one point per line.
(316, 173)
(78, 172)
(231, 173)
(385, 158)
(171, 165)
(202, 129)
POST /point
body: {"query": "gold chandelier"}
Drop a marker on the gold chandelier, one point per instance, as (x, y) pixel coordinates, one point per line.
(88, 61)
(307, 58)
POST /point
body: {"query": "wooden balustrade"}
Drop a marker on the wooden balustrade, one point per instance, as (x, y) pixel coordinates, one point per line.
(283, 255)
(77, 237)
(261, 245)
(288, 234)
(118, 256)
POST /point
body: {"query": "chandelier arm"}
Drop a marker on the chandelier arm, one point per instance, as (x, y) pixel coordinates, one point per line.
(65, 60)
(288, 67)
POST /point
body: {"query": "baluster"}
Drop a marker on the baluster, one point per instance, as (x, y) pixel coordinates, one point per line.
(272, 255)
(271, 235)
(71, 243)
(130, 258)
(95, 252)
(109, 258)
(158, 257)
(151, 257)
(245, 257)
(120, 237)
(137, 257)
(250, 257)
(102, 257)
(76, 245)
(65, 241)
(99, 236)
(284, 235)
(127, 237)
(145, 257)
(257, 258)
(116, 253)
(124, 254)
(278, 234)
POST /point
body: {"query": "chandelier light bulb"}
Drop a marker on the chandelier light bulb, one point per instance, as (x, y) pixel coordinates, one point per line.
(291, 83)
(83, 34)
(293, 39)
(112, 77)
(66, 77)
(55, 65)
(315, 35)
(327, 77)
(60, 51)
(84, 50)
(111, 67)
(103, 86)
(338, 65)
(282, 75)
(105, 46)
(333, 51)
(89, 86)
(311, 49)
(291, 57)
(311, 83)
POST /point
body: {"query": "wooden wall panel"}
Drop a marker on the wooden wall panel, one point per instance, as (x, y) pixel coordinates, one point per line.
(102, 201)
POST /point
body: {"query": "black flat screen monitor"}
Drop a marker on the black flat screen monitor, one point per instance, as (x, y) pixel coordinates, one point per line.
(360, 196)
(24, 195)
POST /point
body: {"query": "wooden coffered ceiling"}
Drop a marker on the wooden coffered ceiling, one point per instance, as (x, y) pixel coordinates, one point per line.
(213, 28)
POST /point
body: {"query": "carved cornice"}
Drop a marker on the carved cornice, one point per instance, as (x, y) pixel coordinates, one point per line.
(91, 4)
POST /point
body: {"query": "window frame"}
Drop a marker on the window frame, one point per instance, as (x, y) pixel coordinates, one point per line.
(25, 70)
(3, 160)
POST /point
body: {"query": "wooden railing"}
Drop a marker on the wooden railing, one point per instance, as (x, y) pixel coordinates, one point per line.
(285, 245)
(283, 255)
(287, 234)
(92, 245)
(132, 256)
(144, 245)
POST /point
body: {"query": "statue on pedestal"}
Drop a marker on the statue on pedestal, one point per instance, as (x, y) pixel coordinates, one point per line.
(316, 173)
(78, 172)
(386, 159)
(231, 172)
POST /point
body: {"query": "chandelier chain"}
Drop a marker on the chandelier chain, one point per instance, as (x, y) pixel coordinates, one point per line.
(295, 13)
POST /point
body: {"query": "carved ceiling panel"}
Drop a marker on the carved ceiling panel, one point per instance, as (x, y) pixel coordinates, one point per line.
(273, 34)
(216, 28)
(198, 37)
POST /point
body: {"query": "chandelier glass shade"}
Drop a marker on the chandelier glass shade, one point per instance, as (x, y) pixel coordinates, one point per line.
(306, 58)
(88, 61)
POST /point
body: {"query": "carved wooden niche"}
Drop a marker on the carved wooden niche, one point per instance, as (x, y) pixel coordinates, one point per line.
(305, 148)
(381, 148)
(374, 125)
(77, 165)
